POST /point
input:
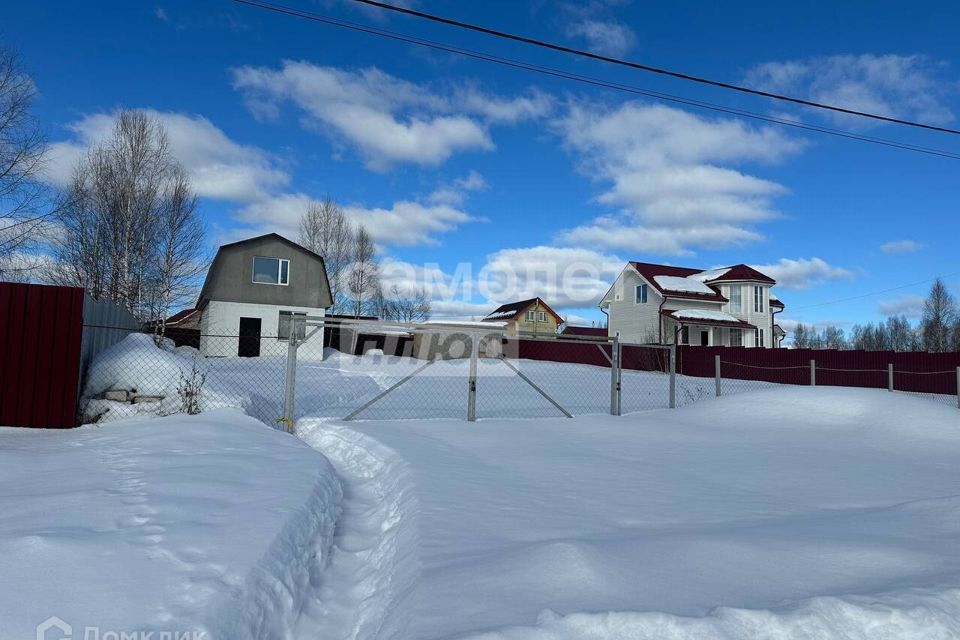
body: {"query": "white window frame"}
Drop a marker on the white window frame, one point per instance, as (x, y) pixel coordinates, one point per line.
(757, 299)
(739, 334)
(531, 316)
(641, 293)
(542, 316)
(736, 299)
(758, 337)
(281, 262)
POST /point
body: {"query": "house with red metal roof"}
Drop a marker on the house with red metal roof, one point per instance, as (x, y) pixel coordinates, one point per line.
(664, 304)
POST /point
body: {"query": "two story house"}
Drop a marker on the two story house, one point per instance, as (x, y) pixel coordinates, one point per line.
(532, 317)
(253, 290)
(729, 306)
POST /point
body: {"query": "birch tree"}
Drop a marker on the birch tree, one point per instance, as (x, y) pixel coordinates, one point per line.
(363, 277)
(131, 232)
(325, 230)
(939, 314)
(25, 206)
(178, 258)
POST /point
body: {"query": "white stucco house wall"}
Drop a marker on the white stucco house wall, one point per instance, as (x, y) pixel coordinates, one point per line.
(662, 304)
(252, 291)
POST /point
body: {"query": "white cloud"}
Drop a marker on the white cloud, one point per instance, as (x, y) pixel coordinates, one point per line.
(904, 86)
(606, 37)
(802, 273)
(218, 167)
(568, 278)
(388, 119)
(408, 223)
(457, 191)
(665, 175)
(161, 14)
(901, 246)
(790, 325)
(532, 106)
(404, 223)
(910, 306)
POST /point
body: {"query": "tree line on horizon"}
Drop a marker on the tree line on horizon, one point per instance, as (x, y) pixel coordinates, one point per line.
(937, 332)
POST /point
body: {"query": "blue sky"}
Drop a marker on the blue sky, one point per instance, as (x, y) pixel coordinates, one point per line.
(529, 180)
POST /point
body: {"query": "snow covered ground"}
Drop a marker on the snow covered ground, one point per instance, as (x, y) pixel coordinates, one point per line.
(211, 524)
(790, 513)
(785, 513)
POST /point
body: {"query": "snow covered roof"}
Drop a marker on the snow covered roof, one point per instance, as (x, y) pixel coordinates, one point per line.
(482, 324)
(711, 274)
(706, 316)
(689, 284)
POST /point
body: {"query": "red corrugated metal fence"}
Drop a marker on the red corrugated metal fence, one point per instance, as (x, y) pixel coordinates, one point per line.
(40, 339)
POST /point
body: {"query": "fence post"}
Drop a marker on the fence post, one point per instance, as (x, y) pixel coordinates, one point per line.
(290, 379)
(890, 377)
(673, 376)
(615, 378)
(958, 387)
(813, 373)
(716, 367)
(472, 381)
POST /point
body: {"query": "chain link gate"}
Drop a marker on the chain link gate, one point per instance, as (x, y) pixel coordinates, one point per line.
(435, 371)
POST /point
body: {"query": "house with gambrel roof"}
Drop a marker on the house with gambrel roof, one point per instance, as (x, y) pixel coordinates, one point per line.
(532, 317)
(664, 304)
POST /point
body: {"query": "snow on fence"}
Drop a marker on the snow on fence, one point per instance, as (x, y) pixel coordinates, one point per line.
(374, 370)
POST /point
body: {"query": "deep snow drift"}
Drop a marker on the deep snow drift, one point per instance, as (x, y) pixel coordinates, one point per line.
(806, 513)
(211, 523)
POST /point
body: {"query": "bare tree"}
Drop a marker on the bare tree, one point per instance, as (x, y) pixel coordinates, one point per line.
(325, 230)
(404, 307)
(24, 203)
(939, 314)
(363, 278)
(900, 334)
(131, 232)
(179, 255)
(834, 338)
(801, 336)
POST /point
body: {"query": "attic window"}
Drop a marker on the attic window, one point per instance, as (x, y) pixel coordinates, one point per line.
(271, 270)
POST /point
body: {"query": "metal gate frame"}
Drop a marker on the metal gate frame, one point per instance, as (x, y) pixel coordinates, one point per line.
(303, 328)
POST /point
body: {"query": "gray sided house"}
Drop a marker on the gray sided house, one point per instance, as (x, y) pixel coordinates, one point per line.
(253, 289)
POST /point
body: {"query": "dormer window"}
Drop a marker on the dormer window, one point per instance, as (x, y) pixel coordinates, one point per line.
(271, 270)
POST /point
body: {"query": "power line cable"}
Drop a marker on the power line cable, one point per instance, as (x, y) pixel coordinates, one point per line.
(648, 68)
(875, 293)
(592, 80)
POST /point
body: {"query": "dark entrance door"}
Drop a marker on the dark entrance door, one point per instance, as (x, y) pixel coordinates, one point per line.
(249, 346)
(704, 338)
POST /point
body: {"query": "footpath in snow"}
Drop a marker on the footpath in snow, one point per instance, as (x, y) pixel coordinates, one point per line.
(213, 524)
(794, 513)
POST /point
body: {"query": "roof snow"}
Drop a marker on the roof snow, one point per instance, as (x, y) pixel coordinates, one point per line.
(704, 314)
(689, 284)
(710, 274)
